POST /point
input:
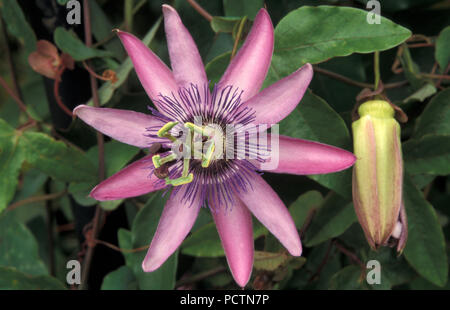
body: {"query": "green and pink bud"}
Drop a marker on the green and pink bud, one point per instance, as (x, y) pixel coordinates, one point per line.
(378, 175)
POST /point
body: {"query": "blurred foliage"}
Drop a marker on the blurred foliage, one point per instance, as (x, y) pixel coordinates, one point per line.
(39, 164)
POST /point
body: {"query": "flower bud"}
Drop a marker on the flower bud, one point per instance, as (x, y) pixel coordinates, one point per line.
(378, 174)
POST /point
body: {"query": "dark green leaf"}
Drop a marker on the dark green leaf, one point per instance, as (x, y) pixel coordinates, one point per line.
(205, 241)
(315, 34)
(117, 155)
(11, 159)
(143, 229)
(442, 51)
(216, 67)
(333, 218)
(12, 279)
(107, 90)
(17, 25)
(435, 118)
(69, 43)
(314, 119)
(18, 247)
(120, 279)
(348, 278)
(425, 248)
(55, 158)
(427, 90)
(428, 154)
(224, 24)
(247, 8)
(301, 208)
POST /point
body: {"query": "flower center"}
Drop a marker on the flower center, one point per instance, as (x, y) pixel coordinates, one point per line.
(205, 143)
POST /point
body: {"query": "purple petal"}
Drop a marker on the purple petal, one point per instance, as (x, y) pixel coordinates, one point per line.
(277, 101)
(249, 67)
(187, 65)
(176, 221)
(122, 125)
(236, 232)
(297, 156)
(268, 208)
(133, 180)
(155, 76)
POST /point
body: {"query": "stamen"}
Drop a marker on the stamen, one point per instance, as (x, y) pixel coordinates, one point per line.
(206, 160)
(181, 180)
(164, 131)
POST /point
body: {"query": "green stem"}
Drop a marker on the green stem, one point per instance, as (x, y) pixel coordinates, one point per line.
(128, 11)
(376, 69)
(238, 36)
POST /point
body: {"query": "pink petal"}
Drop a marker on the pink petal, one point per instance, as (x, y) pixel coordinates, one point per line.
(297, 156)
(268, 208)
(277, 101)
(236, 232)
(187, 65)
(249, 67)
(155, 76)
(133, 180)
(122, 125)
(176, 221)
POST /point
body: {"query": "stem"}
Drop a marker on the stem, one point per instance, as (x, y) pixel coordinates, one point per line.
(56, 94)
(35, 199)
(346, 80)
(322, 263)
(51, 245)
(98, 217)
(200, 10)
(92, 72)
(436, 76)
(200, 276)
(11, 92)
(238, 37)
(376, 69)
(116, 248)
(128, 12)
(348, 253)
(113, 35)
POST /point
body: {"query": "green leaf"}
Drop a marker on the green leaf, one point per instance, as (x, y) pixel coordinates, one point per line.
(333, 218)
(301, 208)
(442, 52)
(224, 24)
(425, 248)
(143, 229)
(12, 279)
(348, 278)
(18, 247)
(120, 279)
(428, 154)
(313, 119)
(271, 261)
(315, 34)
(107, 90)
(117, 155)
(55, 158)
(11, 159)
(69, 43)
(216, 67)
(427, 90)
(394, 269)
(247, 8)
(205, 241)
(435, 118)
(17, 25)
(101, 30)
